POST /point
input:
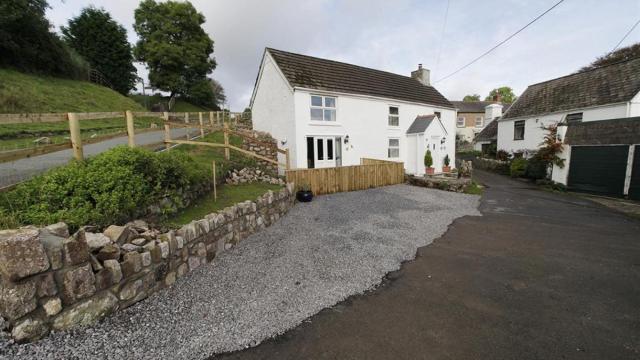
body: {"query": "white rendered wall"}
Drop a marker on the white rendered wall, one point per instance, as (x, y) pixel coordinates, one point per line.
(365, 120)
(272, 109)
(534, 134)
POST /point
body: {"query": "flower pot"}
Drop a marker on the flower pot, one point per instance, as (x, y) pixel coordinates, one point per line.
(304, 196)
(446, 169)
(430, 171)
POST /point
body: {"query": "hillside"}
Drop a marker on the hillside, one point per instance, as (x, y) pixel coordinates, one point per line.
(21, 93)
(180, 105)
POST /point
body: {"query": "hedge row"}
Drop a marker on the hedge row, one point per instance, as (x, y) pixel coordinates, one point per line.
(110, 188)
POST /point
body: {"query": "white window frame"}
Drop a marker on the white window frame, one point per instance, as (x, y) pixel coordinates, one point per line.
(397, 117)
(463, 122)
(481, 118)
(389, 148)
(324, 108)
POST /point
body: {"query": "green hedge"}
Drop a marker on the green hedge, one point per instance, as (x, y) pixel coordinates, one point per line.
(518, 167)
(112, 187)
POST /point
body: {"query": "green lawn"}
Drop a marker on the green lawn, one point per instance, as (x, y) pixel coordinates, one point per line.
(227, 196)
(28, 93)
(179, 106)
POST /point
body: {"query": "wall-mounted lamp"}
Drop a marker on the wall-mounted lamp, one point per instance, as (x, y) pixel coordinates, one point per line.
(283, 141)
(346, 139)
(443, 140)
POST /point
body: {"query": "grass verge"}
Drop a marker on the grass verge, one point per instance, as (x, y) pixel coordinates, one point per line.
(227, 196)
(474, 189)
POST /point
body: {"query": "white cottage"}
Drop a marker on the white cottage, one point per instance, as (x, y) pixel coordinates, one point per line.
(596, 110)
(330, 113)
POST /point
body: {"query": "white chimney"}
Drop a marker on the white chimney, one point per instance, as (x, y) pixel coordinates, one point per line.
(422, 75)
(491, 112)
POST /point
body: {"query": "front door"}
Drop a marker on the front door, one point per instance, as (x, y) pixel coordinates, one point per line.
(323, 151)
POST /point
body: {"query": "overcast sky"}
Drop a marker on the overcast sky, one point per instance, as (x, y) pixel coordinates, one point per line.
(397, 35)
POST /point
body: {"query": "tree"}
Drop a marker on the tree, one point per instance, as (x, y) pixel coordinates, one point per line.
(28, 44)
(506, 95)
(471, 98)
(219, 97)
(103, 43)
(622, 54)
(174, 46)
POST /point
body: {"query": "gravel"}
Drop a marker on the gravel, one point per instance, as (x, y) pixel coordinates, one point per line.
(316, 256)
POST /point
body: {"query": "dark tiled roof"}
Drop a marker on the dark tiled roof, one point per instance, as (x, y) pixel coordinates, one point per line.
(490, 132)
(420, 124)
(315, 73)
(603, 132)
(609, 84)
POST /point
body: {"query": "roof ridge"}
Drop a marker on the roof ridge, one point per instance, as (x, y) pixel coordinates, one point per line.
(348, 64)
(586, 71)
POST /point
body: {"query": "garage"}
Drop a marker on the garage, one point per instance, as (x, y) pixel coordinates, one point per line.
(598, 169)
(634, 185)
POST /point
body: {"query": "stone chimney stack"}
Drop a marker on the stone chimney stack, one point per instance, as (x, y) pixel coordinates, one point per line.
(422, 75)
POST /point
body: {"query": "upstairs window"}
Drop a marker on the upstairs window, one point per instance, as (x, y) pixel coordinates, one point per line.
(460, 122)
(323, 108)
(574, 118)
(479, 121)
(394, 116)
(518, 130)
(394, 148)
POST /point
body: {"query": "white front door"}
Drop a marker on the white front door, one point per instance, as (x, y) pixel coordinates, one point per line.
(324, 151)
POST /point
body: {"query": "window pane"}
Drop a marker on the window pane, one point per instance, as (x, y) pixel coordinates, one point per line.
(316, 100)
(394, 120)
(329, 115)
(316, 114)
(394, 153)
(329, 149)
(394, 142)
(461, 121)
(320, 149)
(393, 110)
(330, 102)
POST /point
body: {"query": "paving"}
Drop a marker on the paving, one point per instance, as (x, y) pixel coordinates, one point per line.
(316, 256)
(19, 170)
(540, 275)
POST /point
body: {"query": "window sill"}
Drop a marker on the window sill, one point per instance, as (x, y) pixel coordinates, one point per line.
(393, 128)
(324, 123)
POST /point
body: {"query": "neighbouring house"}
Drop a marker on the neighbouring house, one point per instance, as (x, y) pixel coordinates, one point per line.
(595, 111)
(486, 138)
(473, 116)
(330, 113)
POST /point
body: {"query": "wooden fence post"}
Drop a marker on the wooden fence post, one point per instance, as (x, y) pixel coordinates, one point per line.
(201, 124)
(215, 193)
(286, 155)
(167, 131)
(226, 140)
(130, 128)
(76, 140)
(211, 119)
(186, 121)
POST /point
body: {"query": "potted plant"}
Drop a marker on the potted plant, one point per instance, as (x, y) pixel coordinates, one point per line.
(428, 161)
(446, 168)
(304, 193)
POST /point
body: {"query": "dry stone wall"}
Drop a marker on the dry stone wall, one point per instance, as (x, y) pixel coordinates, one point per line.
(50, 280)
(264, 144)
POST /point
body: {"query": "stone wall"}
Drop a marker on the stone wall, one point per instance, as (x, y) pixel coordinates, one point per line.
(52, 281)
(264, 144)
(497, 166)
(452, 184)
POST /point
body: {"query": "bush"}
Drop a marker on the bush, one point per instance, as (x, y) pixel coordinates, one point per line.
(112, 187)
(502, 155)
(518, 167)
(537, 168)
(428, 160)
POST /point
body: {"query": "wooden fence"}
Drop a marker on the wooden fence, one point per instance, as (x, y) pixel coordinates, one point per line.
(370, 173)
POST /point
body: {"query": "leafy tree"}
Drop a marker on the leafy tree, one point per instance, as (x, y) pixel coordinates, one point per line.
(506, 94)
(471, 98)
(622, 54)
(219, 97)
(27, 43)
(174, 46)
(103, 43)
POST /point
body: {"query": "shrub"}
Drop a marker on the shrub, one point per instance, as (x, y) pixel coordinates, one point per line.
(518, 167)
(502, 155)
(110, 188)
(428, 160)
(537, 168)
(446, 160)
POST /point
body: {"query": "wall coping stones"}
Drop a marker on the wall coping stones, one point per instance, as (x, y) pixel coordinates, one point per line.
(52, 281)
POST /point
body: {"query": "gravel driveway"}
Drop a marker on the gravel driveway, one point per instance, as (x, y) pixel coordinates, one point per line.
(316, 256)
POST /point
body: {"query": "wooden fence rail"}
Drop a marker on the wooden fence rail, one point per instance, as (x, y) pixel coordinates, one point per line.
(370, 174)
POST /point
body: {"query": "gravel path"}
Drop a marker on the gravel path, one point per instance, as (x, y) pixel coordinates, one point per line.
(316, 256)
(22, 169)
